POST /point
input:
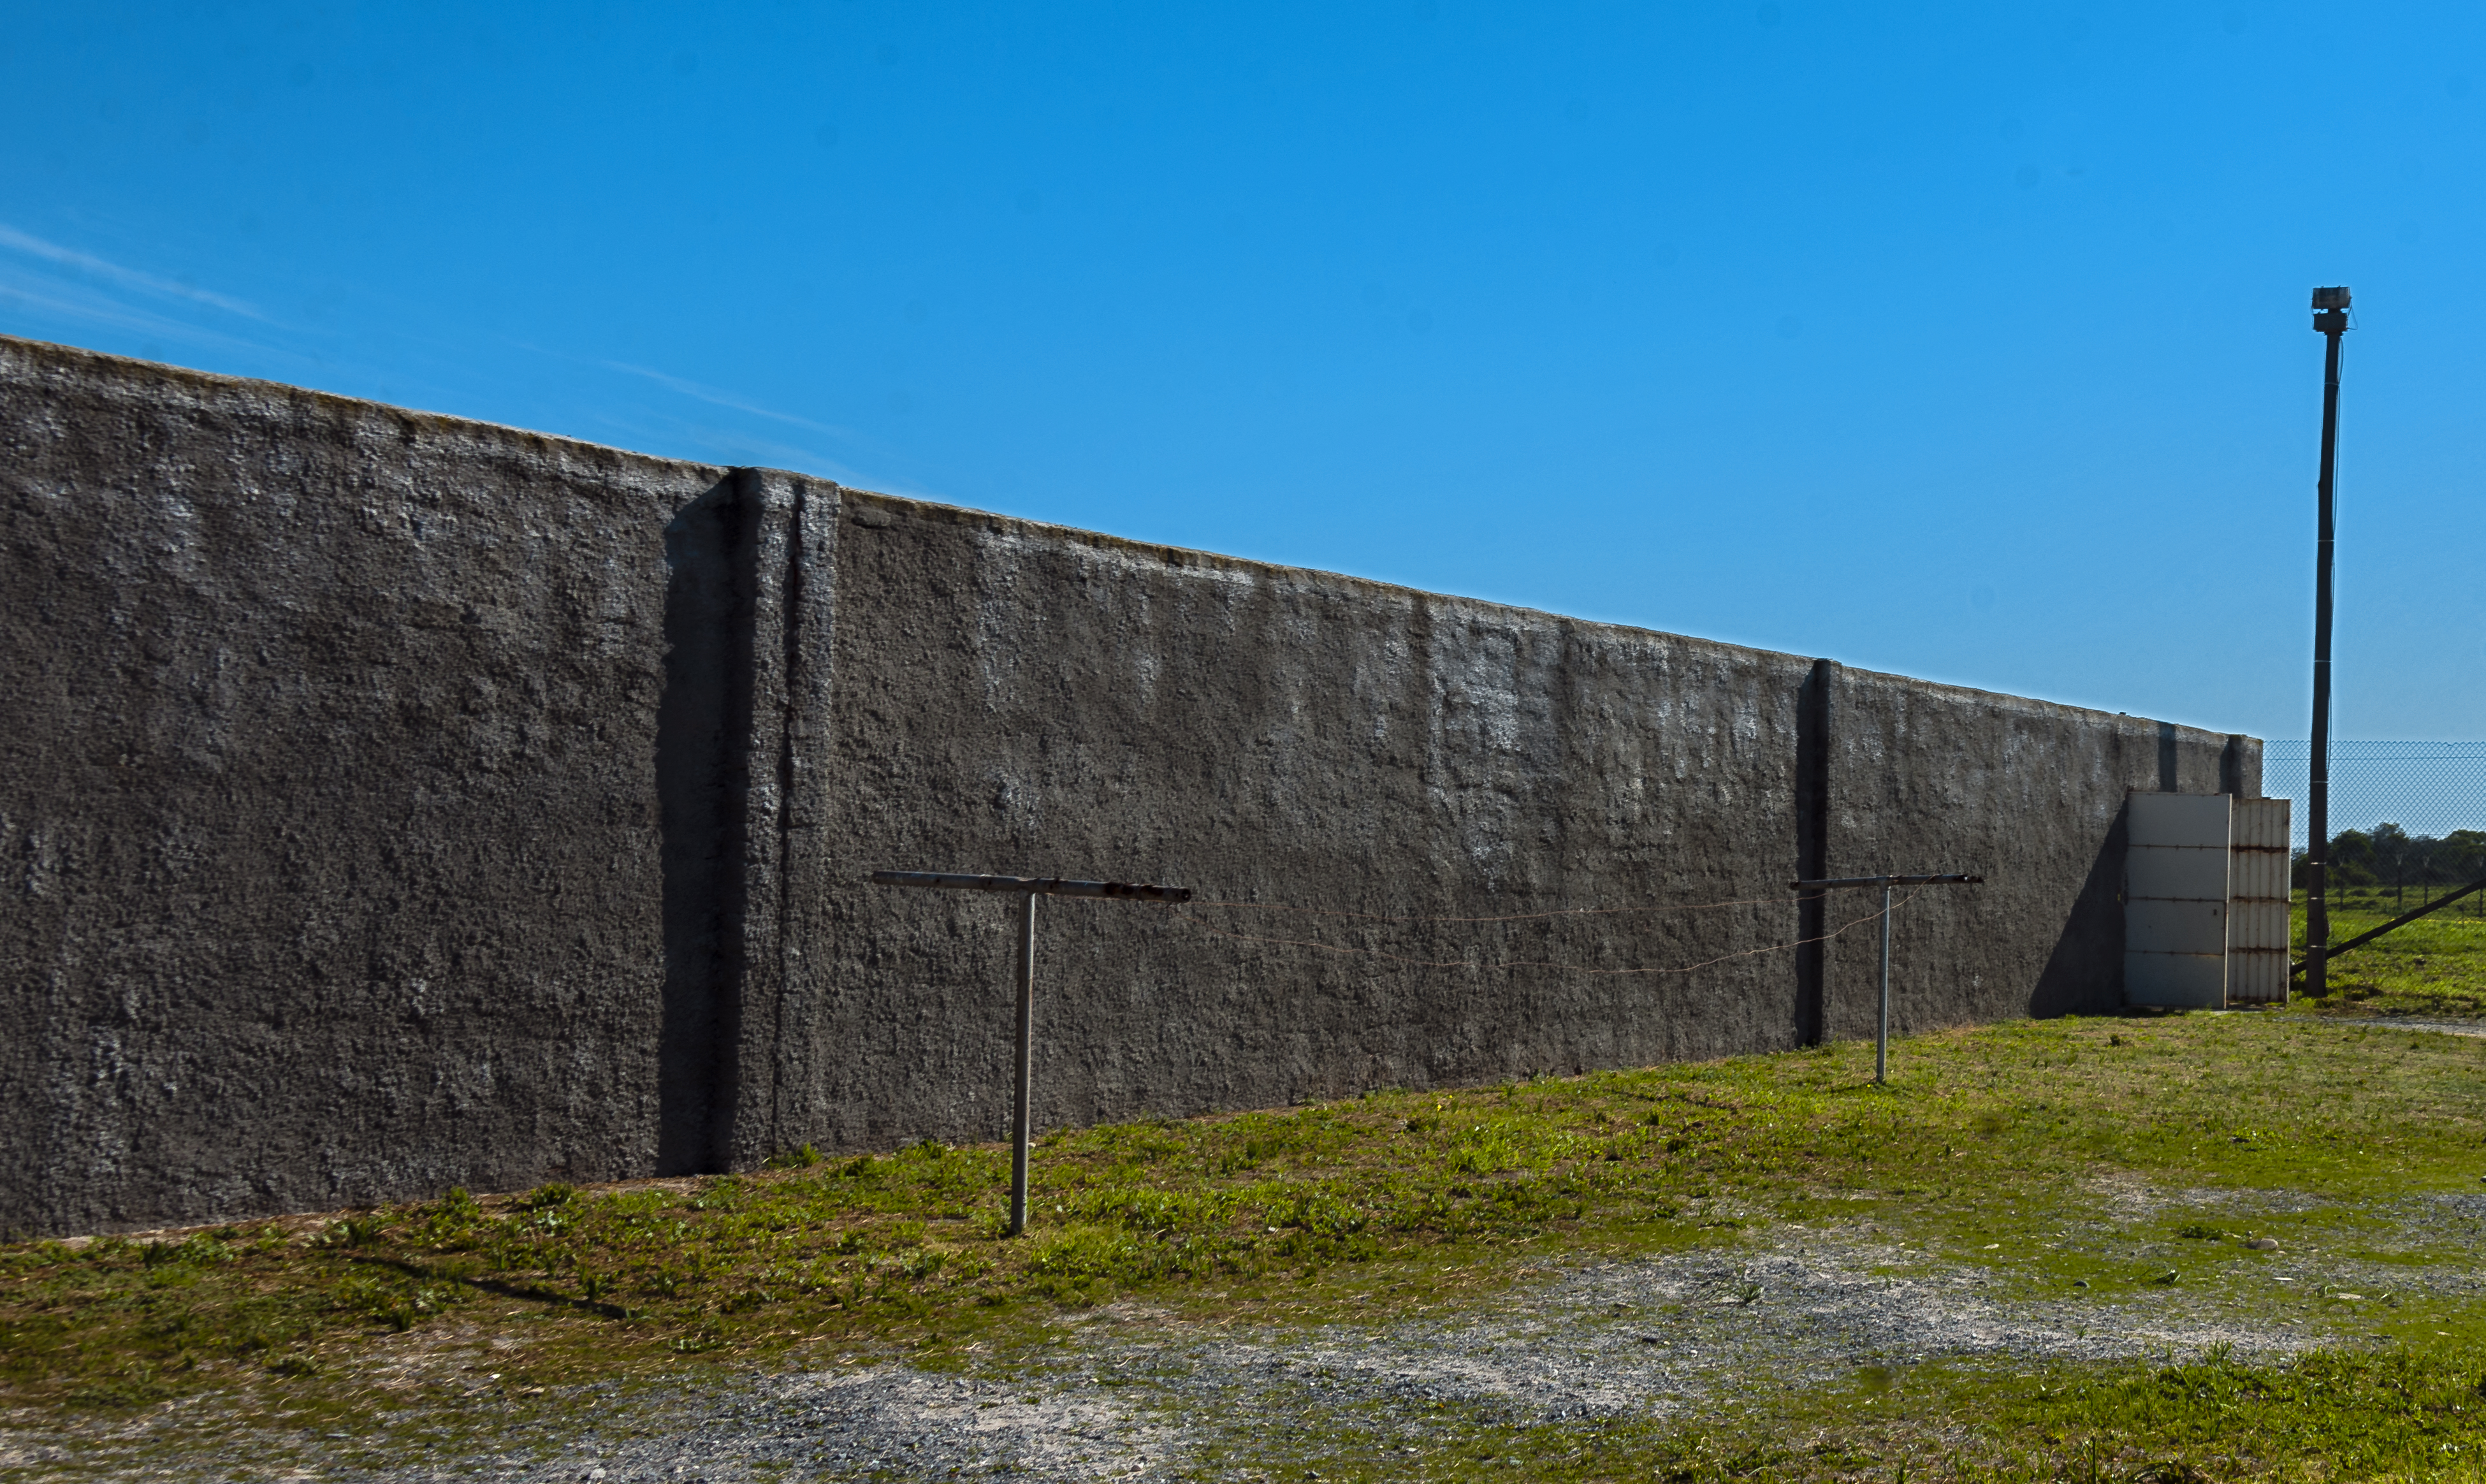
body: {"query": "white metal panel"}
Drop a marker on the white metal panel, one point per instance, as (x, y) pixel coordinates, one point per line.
(2180, 875)
(2178, 820)
(2176, 869)
(2196, 928)
(2257, 902)
(2176, 981)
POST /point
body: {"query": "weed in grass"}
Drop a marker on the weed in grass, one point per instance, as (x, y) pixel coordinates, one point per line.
(354, 1230)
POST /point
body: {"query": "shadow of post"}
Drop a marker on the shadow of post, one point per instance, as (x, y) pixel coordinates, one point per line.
(1812, 743)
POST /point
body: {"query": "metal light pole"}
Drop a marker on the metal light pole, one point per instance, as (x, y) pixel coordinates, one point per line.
(2331, 320)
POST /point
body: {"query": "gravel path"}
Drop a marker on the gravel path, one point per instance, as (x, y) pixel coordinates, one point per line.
(2412, 1023)
(1132, 1394)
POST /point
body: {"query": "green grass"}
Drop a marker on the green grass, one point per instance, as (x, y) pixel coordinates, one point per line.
(2398, 1416)
(2434, 966)
(1987, 1150)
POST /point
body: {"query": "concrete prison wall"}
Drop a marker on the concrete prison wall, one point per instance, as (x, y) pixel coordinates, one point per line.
(394, 801)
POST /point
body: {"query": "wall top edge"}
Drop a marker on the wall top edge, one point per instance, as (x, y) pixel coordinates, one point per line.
(2146, 726)
(50, 355)
(1185, 557)
(41, 356)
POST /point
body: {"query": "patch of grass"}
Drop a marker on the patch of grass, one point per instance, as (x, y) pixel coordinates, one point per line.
(1991, 1147)
(2397, 1416)
(2434, 965)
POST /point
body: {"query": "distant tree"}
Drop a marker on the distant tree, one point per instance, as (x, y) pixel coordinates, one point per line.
(2352, 858)
(2389, 856)
(2351, 864)
(2394, 859)
(2463, 855)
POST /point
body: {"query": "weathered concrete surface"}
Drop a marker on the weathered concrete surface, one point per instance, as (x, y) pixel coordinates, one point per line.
(2030, 795)
(330, 803)
(1025, 699)
(394, 801)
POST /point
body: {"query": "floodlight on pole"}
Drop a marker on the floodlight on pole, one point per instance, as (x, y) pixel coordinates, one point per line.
(2331, 322)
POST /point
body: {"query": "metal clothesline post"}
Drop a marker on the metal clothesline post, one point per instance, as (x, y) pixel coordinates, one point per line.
(1028, 890)
(1881, 1028)
(1023, 1079)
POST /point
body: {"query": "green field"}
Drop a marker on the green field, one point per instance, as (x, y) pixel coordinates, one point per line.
(2097, 1175)
(2434, 965)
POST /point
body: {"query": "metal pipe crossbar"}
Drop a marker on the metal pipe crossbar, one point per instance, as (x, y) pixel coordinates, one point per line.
(1884, 881)
(1882, 1026)
(1028, 890)
(1039, 886)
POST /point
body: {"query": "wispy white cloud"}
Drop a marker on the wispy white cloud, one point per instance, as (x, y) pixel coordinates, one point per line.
(44, 284)
(715, 398)
(739, 443)
(728, 445)
(71, 257)
(740, 447)
(75, 304)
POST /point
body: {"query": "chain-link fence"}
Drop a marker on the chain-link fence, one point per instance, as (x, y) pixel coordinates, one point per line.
(2402, 813)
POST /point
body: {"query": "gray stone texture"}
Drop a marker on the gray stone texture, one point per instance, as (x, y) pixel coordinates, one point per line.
(330, 810)
(394, 801)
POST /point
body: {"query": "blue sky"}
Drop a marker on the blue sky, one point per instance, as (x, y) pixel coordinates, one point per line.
(1962, 340)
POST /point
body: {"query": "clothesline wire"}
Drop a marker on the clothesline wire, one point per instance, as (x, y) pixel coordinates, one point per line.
(1515, 917)
(1461, 963)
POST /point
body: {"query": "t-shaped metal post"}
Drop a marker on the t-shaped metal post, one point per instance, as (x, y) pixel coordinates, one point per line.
(1882, 1029)
(1029, 888)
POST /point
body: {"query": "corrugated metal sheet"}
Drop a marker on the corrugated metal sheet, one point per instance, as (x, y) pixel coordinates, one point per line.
(2176, 900)
(2257, 891)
